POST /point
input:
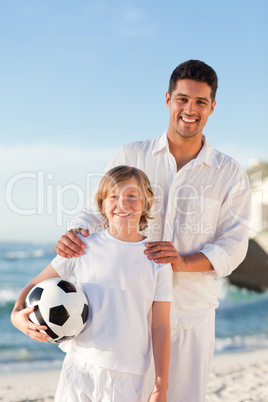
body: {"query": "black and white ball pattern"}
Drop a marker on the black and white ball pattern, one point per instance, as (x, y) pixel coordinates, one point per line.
(59, 305)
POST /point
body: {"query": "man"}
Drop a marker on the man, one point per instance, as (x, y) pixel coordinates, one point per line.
(200, 221)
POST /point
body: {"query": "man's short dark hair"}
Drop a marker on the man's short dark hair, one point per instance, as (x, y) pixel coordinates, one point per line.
(194, 70)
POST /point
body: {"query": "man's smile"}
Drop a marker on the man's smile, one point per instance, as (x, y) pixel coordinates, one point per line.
(188, 119)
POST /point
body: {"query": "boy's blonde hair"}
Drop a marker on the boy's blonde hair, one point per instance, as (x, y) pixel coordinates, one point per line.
(121, 174)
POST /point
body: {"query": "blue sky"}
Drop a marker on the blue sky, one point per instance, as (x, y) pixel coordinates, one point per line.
(79, 79)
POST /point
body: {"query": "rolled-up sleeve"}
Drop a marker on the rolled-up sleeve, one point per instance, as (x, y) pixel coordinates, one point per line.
(231, 239)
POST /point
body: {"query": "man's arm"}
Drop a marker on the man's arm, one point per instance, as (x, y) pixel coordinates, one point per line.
(231, 238)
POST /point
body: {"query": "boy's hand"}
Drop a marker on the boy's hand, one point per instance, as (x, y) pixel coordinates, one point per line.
(70, 245)
(20, 319)
(158, 396)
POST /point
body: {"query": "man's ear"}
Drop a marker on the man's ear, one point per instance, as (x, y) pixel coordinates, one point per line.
(167, 100)
(212, 107)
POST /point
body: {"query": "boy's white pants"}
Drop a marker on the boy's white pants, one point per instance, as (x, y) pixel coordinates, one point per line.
(82, 381)
(190, 362)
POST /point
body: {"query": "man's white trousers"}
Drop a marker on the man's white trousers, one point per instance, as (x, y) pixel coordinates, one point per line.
(190, 361)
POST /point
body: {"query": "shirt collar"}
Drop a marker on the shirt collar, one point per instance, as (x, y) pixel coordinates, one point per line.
(162, 142)
(206, 155)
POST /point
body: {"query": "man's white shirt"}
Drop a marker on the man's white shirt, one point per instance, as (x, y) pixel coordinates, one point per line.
(204, 207)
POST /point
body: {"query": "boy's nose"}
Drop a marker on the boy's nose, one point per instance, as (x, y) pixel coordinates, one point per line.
(122, 201)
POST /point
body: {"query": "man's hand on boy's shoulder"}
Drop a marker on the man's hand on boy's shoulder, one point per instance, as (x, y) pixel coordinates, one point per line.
(70, 245)
(163, 252)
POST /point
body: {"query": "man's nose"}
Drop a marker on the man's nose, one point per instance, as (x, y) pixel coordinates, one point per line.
(189, 107)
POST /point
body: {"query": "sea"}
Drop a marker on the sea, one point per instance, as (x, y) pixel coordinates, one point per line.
(241, 319)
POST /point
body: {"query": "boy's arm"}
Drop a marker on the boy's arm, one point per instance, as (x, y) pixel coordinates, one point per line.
(161, 349)
(20, 315)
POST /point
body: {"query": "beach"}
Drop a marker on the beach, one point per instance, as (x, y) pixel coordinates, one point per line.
(235, 377)
(239, 377)
(29, 371)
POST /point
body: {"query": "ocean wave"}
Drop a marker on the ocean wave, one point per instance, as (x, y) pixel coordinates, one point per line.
(24, 359)
(232, 296)
(8, 296)
(29, 356)
(20, 254)
(241, 343)
(10, 251)
(29, 366)
(8, 355)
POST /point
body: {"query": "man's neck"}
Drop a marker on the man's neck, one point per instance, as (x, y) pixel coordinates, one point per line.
(184, 149)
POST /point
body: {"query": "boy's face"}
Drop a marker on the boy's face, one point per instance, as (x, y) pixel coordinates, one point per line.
(124, 205)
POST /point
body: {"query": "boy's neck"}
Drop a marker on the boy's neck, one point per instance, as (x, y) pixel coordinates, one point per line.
(125, 235)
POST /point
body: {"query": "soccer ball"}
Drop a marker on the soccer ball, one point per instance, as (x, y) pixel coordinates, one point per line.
(59, 305)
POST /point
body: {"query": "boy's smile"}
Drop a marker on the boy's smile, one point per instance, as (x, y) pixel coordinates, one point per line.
(123, 208)
(122, 214)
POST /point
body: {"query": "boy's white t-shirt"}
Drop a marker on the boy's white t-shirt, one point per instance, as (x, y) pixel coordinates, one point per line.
(121, 285)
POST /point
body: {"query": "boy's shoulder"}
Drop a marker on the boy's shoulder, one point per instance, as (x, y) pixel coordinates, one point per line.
(92, 238)
(157, 265)
(162, 266)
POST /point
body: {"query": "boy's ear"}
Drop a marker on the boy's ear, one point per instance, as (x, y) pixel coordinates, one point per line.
(101, 205)
(144, 209)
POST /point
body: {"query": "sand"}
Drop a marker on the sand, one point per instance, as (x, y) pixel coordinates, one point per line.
(236, 377)
(32, 386)
(239, 377)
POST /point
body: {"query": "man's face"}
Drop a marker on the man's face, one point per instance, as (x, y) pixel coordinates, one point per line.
(190, 106)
